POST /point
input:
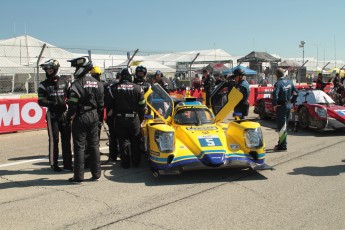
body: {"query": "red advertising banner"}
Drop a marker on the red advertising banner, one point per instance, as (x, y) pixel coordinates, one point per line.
(21, 114)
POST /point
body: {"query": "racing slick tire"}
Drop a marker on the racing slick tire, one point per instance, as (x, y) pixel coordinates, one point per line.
(303, 118)
(262, 110)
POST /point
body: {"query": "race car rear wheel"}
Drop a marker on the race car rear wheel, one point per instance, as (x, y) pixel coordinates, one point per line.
(262, 110)
(303, 118)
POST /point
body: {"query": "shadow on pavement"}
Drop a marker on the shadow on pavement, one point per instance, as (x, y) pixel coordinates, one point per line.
(44, 182)
(28, 158)
(333, 170)
(143, 174)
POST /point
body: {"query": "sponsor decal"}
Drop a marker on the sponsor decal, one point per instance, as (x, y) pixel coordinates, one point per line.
(340, 112)
(155, 153)
(209, 141)
(91, 84)
(234, 146)
(202, 128)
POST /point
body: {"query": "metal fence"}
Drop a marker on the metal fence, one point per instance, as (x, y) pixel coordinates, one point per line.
(20, 72)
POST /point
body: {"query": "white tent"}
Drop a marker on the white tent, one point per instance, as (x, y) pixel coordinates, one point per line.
(151, 66)
(25, 50)
(171, 59)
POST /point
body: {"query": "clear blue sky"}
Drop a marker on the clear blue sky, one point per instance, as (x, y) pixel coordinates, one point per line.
(238, 27)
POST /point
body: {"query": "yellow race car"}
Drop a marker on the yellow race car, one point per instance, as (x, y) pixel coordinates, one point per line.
(186, 135)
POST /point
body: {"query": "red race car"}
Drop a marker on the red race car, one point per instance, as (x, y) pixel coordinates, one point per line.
(314, 109)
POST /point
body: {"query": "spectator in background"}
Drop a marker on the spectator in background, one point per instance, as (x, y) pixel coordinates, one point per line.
(336, 80)
(320, 84)
(208, 85)
(196, 82)
(176, 82)
(219, 79)
(263, 81)
(160, 80)
(342, 80)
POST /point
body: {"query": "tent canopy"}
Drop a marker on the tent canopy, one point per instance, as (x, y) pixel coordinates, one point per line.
(258, 57)
(246, 70)
(288, 63)
(151, 66)
(216, 67)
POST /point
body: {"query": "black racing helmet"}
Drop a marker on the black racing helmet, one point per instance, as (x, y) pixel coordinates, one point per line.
(51, 64)
(140, 73)
(126, 74)
(238, 72)
(82, 66)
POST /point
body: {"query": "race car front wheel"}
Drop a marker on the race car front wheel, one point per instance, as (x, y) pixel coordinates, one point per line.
(303, 118)
(262, 110)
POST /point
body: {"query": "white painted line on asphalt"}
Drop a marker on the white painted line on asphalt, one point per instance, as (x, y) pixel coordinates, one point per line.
(33, 160)
(23, 162)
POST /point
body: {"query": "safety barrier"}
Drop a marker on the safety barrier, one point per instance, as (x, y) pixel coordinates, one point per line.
(21, 114)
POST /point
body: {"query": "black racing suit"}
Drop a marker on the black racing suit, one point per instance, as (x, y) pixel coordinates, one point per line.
(208, 87)
(84, 105)
(113, 141)
(100, 123)
(243, 106)
(164, 84)
(145, 86)
(53, 94)
(127, 101)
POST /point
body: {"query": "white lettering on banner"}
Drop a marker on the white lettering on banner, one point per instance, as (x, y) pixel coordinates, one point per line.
(269, 94)
(14, 113)
(26, 112)
(7, 116)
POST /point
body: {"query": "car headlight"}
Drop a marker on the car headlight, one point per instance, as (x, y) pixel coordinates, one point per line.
(253, 138)
(321, 112)
(164, 141)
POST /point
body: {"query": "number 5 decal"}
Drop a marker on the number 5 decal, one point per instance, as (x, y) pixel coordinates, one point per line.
(209, 142)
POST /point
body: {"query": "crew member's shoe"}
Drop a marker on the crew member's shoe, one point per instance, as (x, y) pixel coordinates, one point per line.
(94, 179)
(68, 168)
(280, 148)
(56, 168)
(112, 158)
(75, 181)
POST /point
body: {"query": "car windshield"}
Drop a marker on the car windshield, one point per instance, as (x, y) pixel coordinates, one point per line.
(193, 116)
(314, 97)
(160, 101)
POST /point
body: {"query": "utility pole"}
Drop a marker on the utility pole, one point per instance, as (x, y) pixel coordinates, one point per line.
(190, 65)
(38, 67)
(301, 45)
